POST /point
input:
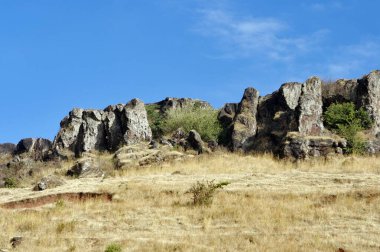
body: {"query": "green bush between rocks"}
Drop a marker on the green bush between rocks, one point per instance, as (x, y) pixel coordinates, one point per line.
(347, 121)
(203, 120)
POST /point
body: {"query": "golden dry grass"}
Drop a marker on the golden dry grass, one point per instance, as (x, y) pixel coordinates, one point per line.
(269, 205)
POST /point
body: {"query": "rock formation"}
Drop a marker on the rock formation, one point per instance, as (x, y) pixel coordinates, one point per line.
(108, 129)
(244, 124)
(288, 123)
(181, 103)
(36, 148)
(7, 148)
(263, 124)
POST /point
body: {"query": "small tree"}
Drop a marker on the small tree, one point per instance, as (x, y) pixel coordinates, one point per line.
(347, 121)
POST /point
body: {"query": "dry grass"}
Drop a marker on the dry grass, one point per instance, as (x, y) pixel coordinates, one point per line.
(269, 205)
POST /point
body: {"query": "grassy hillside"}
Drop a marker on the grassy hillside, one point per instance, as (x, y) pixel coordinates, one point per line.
(268, 205)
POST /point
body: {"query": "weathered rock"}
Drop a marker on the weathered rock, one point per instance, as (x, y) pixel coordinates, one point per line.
(16, 241)
(7, 148)
(181, 103)
(297, 146)
(49, 182)
(37, 148)
(195, 142)
(364, 92)
(86, 168)
(310, 108)
(339, 92)
(275, 117)
(244, 124)
(140, 155)
(227, 113)
(369, 93)
(108, 129)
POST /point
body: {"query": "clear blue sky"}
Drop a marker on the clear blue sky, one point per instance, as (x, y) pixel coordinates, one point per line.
(60, 54)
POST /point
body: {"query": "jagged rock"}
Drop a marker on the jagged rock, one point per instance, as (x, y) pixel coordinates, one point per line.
(227, 113)
(86, 168)
(244, 124)
(369, 93)
(7, 148)
(108, 129)
(180, 103)
(276, 116)
(195, 142)
(297, 146)
(310, 108)
(36, 148)
(48, 183)
(339, 92)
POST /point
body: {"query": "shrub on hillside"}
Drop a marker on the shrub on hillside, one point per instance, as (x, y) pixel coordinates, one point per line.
(203, 120)
(203, 192)
(347, 121)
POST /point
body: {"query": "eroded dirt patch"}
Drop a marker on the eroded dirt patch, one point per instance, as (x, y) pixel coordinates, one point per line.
(47, 199)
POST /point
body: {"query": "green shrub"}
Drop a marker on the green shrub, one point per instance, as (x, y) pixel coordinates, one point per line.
(113, 247)
(347, 121)
(203, 193)
(203, 120)
(10, 183)
(155, 119)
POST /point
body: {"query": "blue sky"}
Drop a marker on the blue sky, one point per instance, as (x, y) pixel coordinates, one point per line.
(56, 55)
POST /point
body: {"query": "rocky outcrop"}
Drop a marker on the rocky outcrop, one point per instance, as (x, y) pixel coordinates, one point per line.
(244, 124)
(181, 103)
(263, 124)
(108, 129)
(36, 148)
(276, 116)
(7, 148)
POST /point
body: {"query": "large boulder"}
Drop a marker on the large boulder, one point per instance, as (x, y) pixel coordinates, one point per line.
(36, 148)
(195, 142)
(244, 124)
(86, 168)
(108, 129)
